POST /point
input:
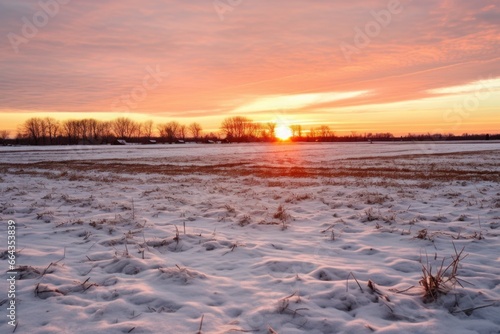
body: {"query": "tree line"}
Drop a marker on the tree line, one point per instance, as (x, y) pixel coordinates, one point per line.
(49, 131)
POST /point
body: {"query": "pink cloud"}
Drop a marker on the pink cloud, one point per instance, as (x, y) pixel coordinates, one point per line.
(93, 52)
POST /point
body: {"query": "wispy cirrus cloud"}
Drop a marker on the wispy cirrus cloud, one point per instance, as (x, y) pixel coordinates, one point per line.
(263, 54)
(295, 101)
(492, 84)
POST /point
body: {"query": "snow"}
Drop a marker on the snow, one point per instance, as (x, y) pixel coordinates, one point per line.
(298, 153)
(252, 237)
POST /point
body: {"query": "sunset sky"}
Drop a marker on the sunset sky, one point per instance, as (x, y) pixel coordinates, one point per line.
(366, 65)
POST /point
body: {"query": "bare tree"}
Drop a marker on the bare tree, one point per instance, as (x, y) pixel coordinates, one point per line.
(105, 131)
(182, 131)
(324, 131)
(83, 130)
(213, 136)
(253, 130)
(172, 130)
(385, 135)
(4, 134)
(43, 131)
(92, 126)
(21, 133)
(52, 128)
(296, 130)
(33, 129)
(138, 129)
(312, 133)
(123, 127)
(120, 126)
(147, 128)
(70, 130)
(271, 127)
(161, 130)
(195, 130)
(169, 130)
(236, 127)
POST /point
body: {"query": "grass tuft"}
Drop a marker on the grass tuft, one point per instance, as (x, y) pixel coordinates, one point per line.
(282, 215)
(442, 281)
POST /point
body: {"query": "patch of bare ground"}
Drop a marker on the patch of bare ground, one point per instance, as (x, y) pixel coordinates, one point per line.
(410, 167)
(423, 155)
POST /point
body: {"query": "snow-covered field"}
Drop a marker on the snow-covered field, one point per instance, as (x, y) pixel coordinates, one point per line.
(252, 238)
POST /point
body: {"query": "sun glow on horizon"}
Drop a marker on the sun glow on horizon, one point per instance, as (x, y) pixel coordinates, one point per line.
(283, 132)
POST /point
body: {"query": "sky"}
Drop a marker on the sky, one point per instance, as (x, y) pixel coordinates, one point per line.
(395, 66)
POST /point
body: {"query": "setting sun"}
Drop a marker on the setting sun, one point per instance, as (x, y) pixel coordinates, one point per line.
(283, 132)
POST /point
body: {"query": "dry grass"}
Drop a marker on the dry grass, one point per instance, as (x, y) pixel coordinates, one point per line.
(370, 215)
(282, 215)
(411, 167)
(230, 209)
(423, 234)
(442, 281)
(41, 290)
(294, 198)
(357, 282)
(374, 197)
(201, 324)
(245, 220)
(270, 330)
(284, 306)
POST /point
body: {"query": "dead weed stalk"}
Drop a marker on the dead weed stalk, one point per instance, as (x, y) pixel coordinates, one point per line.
(442, 281)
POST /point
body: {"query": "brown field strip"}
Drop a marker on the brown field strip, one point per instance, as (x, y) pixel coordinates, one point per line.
(407, 167)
